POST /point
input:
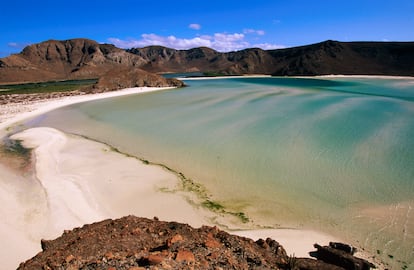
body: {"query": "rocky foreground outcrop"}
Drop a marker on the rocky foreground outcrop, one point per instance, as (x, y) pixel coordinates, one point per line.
(138, 243)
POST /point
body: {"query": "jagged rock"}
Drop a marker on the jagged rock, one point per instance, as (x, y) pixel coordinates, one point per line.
(185, 255)
(311, 264)
(344, 247)
(339, 257)
(139, 243)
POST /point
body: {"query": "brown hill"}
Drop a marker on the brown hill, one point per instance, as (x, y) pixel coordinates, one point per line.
(325, 58)
(127, 77)
(138, 243)
(348, 58)
(161, 59)
(63, 60)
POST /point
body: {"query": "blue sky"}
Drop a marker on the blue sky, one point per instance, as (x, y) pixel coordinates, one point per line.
(222, 25)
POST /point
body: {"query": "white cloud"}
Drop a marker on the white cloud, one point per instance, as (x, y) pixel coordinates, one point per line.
(18, 45)
(253, 31)
(229, 42)
(12, 44)
(195, 26)
(222, 42)
(166, 41)
(268, 46)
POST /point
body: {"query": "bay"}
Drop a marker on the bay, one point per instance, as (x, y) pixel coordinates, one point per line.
(334, 154)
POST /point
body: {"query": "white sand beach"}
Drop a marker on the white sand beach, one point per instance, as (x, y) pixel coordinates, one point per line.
(79, 181)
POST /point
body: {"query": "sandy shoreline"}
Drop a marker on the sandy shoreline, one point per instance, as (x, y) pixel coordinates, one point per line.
(80, 181)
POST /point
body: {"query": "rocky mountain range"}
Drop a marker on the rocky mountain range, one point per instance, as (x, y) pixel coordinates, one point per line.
(83, 58)
(325, 58)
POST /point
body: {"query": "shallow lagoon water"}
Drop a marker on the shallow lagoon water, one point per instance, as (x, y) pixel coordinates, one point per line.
(333, 154)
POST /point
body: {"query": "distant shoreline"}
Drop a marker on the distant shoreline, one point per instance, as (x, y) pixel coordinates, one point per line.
(304, 77)
(363, 76)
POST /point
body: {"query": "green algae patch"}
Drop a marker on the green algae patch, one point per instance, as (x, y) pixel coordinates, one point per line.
(15, 155)
(212, 205)
(15, 147)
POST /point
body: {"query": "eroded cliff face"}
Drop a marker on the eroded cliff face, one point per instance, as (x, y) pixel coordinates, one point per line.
(138, 243)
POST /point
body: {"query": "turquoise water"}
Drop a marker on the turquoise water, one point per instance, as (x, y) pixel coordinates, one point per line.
(334, 154)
